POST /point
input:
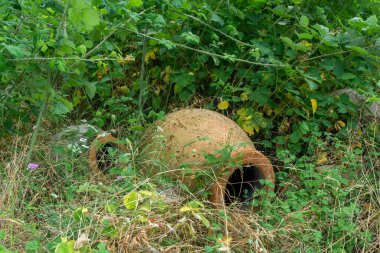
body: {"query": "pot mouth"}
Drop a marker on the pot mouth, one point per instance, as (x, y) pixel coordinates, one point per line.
(240, 184)
(103, 153)
(105, 157)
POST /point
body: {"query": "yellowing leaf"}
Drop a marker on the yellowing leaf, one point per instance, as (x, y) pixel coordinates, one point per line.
(314, 104)
(150, 55)
(322, 159)
(146, 193)
(244, 96)
(202, 218)
(223, 105)
(187, 209)
(248, 128)
(339, 124)
(131, 200)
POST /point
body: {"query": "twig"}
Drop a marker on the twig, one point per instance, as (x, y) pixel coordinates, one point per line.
(62, 20)
(213, 28)
(64, 58)
(207, 53)
(340, 52)
(142, 86)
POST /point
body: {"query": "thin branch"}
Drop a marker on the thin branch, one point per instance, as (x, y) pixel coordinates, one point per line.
(142, 85)
(327, 55)
(208, 53)
(62, 20)
(213, 28)
(64, 58)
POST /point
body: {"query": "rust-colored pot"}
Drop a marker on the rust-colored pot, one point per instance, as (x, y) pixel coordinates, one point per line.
(99, 158)
(206, 150)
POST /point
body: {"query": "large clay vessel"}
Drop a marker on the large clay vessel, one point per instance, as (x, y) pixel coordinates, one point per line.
(206, 150)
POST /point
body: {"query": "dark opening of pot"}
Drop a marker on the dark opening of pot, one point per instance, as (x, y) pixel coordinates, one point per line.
(241, 185)
(105, 157)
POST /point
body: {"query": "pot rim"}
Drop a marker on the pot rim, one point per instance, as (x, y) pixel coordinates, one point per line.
(246, 157)
(101, 139)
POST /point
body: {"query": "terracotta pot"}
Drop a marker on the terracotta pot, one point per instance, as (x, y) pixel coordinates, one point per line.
(99, 158)
(72, 141)
(206, 150)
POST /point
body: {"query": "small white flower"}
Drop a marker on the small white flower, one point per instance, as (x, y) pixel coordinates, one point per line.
(83, 140)
(159, 129)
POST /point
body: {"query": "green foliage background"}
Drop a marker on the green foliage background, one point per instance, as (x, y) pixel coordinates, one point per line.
(271, 65)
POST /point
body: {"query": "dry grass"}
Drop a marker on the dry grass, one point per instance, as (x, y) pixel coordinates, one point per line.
(35, 206)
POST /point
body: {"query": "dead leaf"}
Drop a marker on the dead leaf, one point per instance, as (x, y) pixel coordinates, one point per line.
(81, 241)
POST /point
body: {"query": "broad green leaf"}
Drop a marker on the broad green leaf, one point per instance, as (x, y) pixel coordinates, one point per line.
(347, 76)
(312, 84)
(190, 37)
(256, 4)
(4, 250)
(102, 248)
(2, 63)
(134, 3)
(323, 30)
(202, 218)
(17, 51)
(372, 21)
(304, 21)
(217, 19)
(79, 214)
(83, 16)
(131, 200)
(44, 48)
(32, 246)
(312, 77)
(167, 43)
(305, 36)
(67, 46)
(156, 20)
(358, 50)
(90, 88)
(260, 95)
(65, 246)
(61, 106)
(294, 46)
(357, 22)
(90, 19)
(61, 66)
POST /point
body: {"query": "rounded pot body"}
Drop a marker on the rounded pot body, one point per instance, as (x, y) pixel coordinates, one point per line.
(203, 149)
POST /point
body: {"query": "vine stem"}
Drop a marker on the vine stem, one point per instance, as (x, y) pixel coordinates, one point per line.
(142, 85)
(213, 28)
(206, 52)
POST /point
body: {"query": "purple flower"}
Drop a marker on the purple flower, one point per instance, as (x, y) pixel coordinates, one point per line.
(120, 178)
(33, 166)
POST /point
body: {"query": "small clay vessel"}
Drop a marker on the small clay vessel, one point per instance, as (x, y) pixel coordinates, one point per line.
(206, 150)
(99, 158)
